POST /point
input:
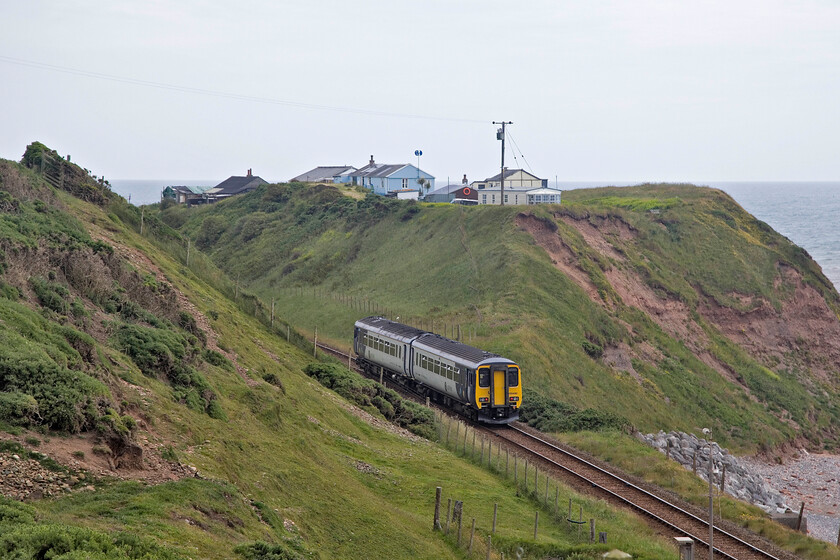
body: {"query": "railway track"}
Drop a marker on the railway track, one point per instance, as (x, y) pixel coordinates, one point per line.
(616, 489)
(582, 473)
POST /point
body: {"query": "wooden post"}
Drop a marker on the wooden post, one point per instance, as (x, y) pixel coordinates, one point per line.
(723, 479)
(536, 523)
(694, 463)
(490, 454)
(472, 536)
(495, 512)
(490, 547)
(591, 530)
(465, 439)
(570, 510)
(448, 429)
(288, 333)
(457, 434)
(459, 527)
(272, 299)
(436, 523)
(799, 520)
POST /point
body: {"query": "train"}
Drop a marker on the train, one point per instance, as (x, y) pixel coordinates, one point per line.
(480, 385)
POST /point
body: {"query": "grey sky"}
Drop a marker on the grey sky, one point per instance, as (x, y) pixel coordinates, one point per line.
(598, 90)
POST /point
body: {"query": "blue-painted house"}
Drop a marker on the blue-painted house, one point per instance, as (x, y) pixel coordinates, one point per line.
(383, 178)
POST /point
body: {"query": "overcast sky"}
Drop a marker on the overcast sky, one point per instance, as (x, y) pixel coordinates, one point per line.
(597, 90)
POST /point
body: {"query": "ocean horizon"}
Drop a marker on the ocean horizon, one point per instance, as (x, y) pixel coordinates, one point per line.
(803, 211)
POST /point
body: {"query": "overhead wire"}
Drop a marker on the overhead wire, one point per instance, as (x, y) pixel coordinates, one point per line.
(515, 145)
(227, 95)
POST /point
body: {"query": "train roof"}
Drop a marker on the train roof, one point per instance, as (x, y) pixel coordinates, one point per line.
(388, 327)
(457, 350)
(452, 349)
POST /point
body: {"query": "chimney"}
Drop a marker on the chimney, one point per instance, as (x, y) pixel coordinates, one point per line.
(371, 160)
(249, 172)
(464, 180)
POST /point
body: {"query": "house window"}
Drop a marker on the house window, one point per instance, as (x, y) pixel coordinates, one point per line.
(493, 198)
(484, 199)
(405, 183)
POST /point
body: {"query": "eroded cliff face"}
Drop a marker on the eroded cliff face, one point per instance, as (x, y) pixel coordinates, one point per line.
(797, 335)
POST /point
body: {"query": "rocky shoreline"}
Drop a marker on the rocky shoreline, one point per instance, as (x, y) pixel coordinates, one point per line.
(739, 480)
(777, 487)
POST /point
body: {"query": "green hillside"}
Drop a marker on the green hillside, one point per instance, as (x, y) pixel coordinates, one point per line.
(667, 305)
(184, 427)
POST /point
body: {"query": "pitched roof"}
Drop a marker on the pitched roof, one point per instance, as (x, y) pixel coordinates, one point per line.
(236, 185)
(323, 173)
(508, 173)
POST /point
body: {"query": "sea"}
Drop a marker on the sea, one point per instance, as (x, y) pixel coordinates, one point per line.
(807, 213)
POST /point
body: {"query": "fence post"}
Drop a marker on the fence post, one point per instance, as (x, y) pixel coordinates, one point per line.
(472, 536)
(591, 530)
(536, 523)
(448, 429)
(495, 511)
(272, 299)
(436, 523)
(490, 547)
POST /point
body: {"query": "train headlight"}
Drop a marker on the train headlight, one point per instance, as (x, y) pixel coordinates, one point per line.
(484, 399)
(514, 399)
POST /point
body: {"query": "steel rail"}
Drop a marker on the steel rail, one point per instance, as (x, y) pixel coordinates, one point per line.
(612, 476)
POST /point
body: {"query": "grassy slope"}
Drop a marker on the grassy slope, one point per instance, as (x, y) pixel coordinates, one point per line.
(292, 454)
(310, 247)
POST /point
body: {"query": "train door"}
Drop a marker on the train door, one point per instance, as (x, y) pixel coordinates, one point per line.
(499, 390)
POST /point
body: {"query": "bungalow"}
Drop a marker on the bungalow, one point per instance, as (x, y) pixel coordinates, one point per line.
(452, 192)
(186, 194)
(519, 196)
(234, 185)
(324, 174)
(383, 178)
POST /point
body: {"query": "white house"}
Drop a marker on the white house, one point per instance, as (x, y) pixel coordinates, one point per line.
(515, 196)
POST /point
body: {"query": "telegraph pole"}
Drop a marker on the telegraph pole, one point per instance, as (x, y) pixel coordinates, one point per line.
(500, 135)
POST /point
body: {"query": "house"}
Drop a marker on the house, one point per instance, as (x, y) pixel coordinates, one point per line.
(516, 196)
(404, 194)
(514, 179)
(324, 174)
(188, 195)
(383, 178)
(234, 185)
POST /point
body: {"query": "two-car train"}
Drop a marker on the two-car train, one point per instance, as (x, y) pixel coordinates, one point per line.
(479, 384)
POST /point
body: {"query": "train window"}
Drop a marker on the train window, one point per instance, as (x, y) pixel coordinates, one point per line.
(513, 376)
(484, 377)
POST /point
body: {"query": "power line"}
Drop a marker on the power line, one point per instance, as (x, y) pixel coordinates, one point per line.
(515, 145)
(225, 95)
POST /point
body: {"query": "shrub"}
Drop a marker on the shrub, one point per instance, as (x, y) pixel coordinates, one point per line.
(18, 408)
(365, 392)
(288, 550)
(549, 415)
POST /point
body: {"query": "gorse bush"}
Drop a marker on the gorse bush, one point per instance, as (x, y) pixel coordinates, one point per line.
(549, 415)
(169, 354)
(367, 393)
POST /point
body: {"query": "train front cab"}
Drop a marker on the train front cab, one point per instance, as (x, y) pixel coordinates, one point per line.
(498, 392)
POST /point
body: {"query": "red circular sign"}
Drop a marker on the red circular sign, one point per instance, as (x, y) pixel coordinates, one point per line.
(467, 191)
